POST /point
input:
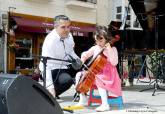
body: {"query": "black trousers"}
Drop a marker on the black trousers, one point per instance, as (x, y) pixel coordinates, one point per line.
(63, 79)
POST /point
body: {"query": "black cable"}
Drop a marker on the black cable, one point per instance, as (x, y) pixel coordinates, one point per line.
(58, 73)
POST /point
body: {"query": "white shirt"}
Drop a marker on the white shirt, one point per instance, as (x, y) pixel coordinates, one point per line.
(53, 47)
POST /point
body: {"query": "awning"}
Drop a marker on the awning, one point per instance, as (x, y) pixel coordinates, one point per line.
(29, 25)
(83, 29)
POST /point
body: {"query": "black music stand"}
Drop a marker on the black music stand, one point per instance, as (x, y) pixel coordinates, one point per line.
(156, 85)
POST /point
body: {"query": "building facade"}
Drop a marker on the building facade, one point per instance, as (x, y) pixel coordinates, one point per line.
(31, 20)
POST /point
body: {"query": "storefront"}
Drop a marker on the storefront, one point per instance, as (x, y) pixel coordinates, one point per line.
(30, 32)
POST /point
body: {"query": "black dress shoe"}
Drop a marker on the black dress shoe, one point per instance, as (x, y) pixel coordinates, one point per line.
(76, 97)
(57, 97)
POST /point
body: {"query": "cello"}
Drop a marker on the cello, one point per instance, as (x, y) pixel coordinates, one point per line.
(96, 66)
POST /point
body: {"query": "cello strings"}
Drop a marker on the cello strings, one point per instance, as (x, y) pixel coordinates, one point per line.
(93, 73)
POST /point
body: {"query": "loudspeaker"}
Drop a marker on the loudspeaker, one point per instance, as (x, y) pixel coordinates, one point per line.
(22, 95)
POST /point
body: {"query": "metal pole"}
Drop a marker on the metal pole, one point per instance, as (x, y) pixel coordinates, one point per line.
(5, 53)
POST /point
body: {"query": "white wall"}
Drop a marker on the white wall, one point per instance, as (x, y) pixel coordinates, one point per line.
(104, 12)
(80, 15)
(48, 9)
(35, 8)
(102, 16)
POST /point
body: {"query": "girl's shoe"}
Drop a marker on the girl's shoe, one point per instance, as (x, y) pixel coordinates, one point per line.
(102, 108)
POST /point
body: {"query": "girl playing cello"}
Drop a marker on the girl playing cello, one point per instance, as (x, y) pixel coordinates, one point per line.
(107, 81)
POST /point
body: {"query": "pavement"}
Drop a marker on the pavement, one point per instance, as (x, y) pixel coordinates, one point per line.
(134, 101)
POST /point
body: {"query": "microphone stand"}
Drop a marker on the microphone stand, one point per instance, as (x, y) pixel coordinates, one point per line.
(44, 61)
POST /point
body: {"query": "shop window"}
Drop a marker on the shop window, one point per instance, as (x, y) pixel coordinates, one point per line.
(118, 16)
(128, 17)
(118, 12)
(119, 9)
(23, 54)
(136, 24)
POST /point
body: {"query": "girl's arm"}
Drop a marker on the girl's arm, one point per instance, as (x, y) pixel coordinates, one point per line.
(112, 55)
(85, 55)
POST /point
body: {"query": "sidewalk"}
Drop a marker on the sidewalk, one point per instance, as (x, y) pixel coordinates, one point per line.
(134, 101)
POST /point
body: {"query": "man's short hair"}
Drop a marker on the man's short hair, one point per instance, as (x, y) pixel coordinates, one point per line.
(60, 17)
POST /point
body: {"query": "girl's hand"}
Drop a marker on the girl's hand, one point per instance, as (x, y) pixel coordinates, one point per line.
(107, 45)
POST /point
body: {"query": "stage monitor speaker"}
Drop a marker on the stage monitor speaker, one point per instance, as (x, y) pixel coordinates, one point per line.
(22, 95)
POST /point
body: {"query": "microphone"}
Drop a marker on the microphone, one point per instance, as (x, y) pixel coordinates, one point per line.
(71, 58)
(76, 63)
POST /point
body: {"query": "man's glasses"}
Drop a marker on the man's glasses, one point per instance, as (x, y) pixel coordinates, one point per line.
(65, 27)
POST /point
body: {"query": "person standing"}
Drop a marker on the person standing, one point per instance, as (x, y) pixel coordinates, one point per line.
(108, 80)
(59, 44)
